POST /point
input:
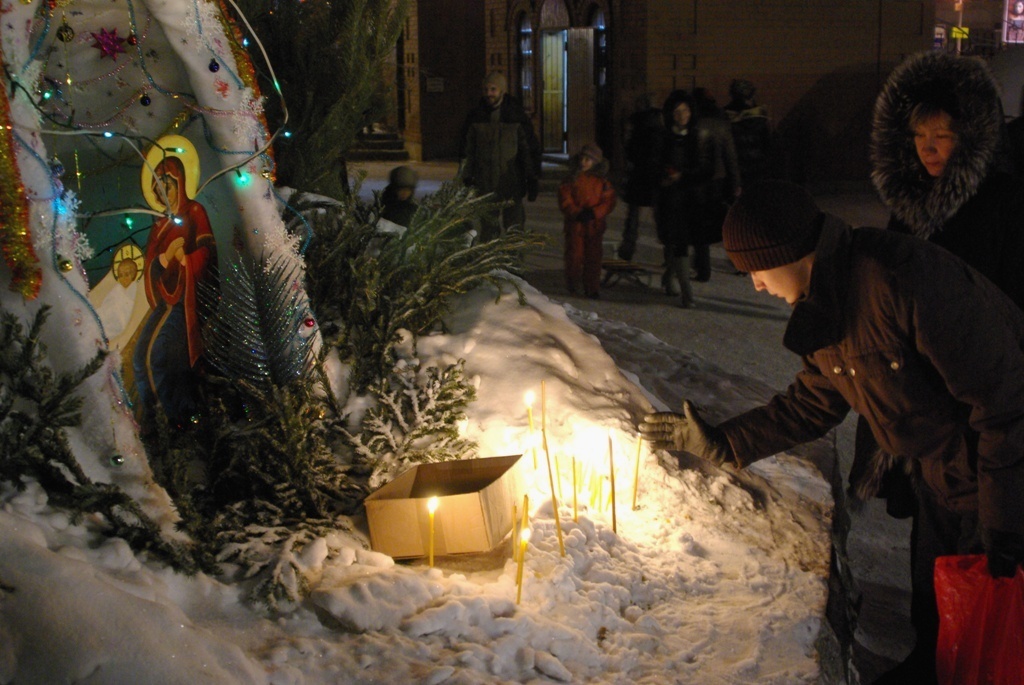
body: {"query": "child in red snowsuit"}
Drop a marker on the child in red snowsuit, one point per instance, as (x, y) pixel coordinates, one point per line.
(585, 198)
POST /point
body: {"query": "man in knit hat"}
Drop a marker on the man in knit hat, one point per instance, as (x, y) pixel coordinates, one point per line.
(500, 155)
(922, 346)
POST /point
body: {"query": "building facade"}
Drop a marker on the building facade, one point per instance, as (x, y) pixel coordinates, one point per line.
(579, 65)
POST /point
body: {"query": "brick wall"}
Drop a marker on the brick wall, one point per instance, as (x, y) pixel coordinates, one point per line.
(444, 64)
(818, 65)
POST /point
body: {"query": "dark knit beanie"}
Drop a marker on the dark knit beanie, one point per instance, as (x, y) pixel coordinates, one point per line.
(773, 223)
(403, 177)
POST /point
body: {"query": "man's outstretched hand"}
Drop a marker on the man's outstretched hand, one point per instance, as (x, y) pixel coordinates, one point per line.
(687, 432)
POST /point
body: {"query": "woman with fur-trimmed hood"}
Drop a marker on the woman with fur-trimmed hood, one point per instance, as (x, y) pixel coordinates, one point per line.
(934, 145)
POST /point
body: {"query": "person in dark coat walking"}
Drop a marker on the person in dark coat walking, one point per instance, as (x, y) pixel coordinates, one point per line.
(585, 197)
(687, 167)
(501, 155)
(926, 349)
(751, 131)
(645, 133)
(725, 183)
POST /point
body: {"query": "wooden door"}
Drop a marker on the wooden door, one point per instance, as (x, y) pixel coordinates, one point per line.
(553, 88)
(581, 126)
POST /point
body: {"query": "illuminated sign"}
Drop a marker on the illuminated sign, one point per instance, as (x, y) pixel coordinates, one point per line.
(1013, 26)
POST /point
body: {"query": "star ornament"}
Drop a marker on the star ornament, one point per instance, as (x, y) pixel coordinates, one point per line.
(108, 43)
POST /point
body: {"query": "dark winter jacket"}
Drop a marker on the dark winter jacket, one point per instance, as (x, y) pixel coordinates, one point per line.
(502, 154)
(691, 156)
(676, 210)
(923, 347)
(752, 135)
(644, 141)
(973, 210)
(725, 180)
(396, 210)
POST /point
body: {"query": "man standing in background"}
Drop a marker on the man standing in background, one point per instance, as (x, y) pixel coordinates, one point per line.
(500, 155)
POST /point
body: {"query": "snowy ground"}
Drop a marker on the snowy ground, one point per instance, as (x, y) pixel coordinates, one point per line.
(738, 331)
(714, 578)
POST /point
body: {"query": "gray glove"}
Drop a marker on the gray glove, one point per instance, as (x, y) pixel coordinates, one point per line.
(687, 432)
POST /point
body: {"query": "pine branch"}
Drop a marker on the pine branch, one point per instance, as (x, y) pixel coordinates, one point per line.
(35, 406)
(258, 332)
(376, 286)
(415, 420)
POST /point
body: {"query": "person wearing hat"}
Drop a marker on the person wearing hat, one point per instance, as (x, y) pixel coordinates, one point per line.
(501, 155)
(922, 346)
(585, 197)
(398, 205)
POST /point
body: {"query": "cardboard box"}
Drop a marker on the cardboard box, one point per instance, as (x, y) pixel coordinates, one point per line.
(474, 510)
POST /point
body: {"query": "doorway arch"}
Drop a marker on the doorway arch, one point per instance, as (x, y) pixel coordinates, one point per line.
(554, 27)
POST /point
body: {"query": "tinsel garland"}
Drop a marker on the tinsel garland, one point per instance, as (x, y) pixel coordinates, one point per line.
(246, 71)
(26, 274)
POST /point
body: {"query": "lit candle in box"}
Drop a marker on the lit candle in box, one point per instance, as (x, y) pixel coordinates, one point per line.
(431, 508)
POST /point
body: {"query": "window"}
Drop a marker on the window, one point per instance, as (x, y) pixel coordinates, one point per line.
(524, 60)
(600, 47)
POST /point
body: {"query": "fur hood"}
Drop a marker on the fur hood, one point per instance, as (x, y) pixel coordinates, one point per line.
(963, 84)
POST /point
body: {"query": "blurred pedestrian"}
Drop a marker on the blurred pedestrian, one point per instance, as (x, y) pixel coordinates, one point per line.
(725, 183)
(644, 136)
(751, 131)
(585, 197)
(687, 165)
(500, 155)
(397, 200)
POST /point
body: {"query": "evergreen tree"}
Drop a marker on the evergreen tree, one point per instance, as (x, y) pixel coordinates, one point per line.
(330, 62)
(375, 285)
(258, 478)
(36, 406)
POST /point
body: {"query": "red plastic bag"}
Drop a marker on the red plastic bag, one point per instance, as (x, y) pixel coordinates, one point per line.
(981, 623)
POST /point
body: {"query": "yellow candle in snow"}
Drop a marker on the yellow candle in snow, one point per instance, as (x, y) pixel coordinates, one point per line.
(636, 469)
(524, 537)
(528, 399)
(554, 498)
(543, 409)
(515, 531)
(575, 513)
(611, 477)
(431, 508)
(526, 512)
